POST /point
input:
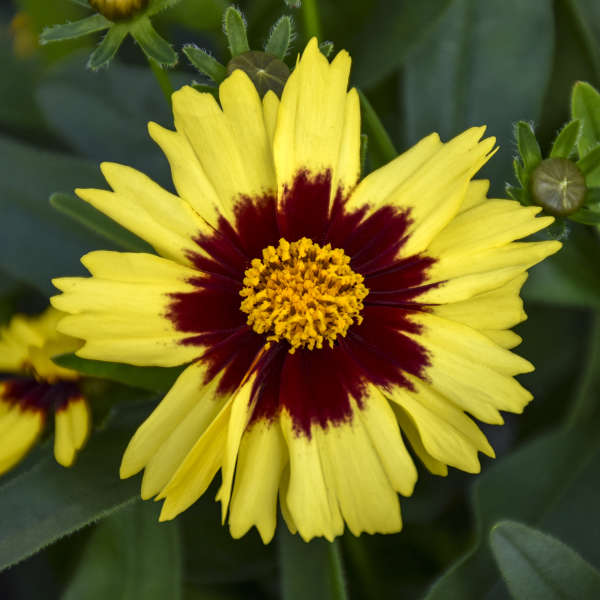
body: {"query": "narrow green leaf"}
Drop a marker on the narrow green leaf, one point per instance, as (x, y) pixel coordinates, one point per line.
(529, 149)
(67, 31)
(153, 45)
(48, 501)
(364, 145)
(234, 26)
(326, 48)
(318, 557)
(107, 48)
(537, 566)
(381, 148)
(129, 555)
(154, 379)
(565, 142)
(205, 63)
(585, 106)
(93, 219)
(280, 37)
(589, 165)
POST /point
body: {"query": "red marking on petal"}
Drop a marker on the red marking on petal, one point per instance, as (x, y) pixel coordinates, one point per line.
(30, 394)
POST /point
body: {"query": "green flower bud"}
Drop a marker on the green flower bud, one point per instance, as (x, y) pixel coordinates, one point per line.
(118, 10)
(265, 71)
(558, 186)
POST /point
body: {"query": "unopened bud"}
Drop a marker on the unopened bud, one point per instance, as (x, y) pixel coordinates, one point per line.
(265, 71)
(118, 10)
(558, 186)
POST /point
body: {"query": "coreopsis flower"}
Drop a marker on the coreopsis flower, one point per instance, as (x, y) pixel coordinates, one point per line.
(32, 387)
(323, 317)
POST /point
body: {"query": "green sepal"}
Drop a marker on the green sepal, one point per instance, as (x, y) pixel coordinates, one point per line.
(364, 144)
(518, 194)
(589, 213)
(529, 149)
(107, 48)
(536, 565)
(205, 63)
(585, 106)
(68, 31)
(153, 45)
(589, 165)
(83, 3)
(152, 379)
(206, 88)
(280, 38)
(156, 6)
(520, 173)
(93, 219)
(234, 27)
(326, 48)
(565, 142)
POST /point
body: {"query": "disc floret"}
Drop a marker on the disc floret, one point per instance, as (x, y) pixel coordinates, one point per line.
(304, 293)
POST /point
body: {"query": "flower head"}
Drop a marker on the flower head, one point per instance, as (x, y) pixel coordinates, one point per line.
(324, 317)
(32, 386)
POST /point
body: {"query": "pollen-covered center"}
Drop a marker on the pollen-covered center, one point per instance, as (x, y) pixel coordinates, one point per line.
(302, 292)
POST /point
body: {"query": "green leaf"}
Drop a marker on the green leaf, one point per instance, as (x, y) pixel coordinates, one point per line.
(49, 501)
(318, 557)
(154, 46)
(37, 242)
(205, 63)
(381, 147)
(234, 27)
(585, 106)
(537, 566)
(154, 379)
(108, 47)
(326, 48)
(94, 220)
(464, 73)
(392, 33)
(364, 145)
(566, 140)
(280, 37)
(586, 215)
(67, 31)
(129, 555)
(570, 277)
(528, 146)
(589, 165)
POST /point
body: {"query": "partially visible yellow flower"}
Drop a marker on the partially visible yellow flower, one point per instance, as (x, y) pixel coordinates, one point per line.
(25, 40)
(326, 319)
(32, 387)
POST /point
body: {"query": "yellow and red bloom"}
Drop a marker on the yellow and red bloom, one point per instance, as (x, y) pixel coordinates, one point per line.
(32, 387)
(322, 316)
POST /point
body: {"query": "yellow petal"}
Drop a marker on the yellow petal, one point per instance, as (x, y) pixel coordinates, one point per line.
(270, 112)
(262, 458)
(19, 430)
(164, 220)
(318, 127)
(430, 180)
(503, 337)
(446, 433)
(188, 392)
(230, 145)
(71, 429)
(310, 498)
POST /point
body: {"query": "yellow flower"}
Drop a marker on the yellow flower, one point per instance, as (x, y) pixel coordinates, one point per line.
(321, 315)
(32, 386)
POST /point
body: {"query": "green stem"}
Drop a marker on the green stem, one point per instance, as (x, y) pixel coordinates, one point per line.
(162, 78)
(312, 20)
(338, 580)
(381, 148)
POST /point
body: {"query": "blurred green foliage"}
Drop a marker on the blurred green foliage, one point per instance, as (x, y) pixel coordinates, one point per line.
(438, 65)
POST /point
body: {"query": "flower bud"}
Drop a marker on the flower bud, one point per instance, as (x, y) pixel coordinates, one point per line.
(118, 10)
(265, 71)
(558, 186)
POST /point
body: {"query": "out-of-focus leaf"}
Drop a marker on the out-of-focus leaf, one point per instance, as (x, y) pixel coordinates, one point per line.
(571, 276)
(318, 557)
(38, 243)
(469, 71)
(381, 148)
(129, 556)
(93, 219)
(122, 100)
(537, 566)
(49, 501)
(153, 379)
(585, 106)
(393, 31)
